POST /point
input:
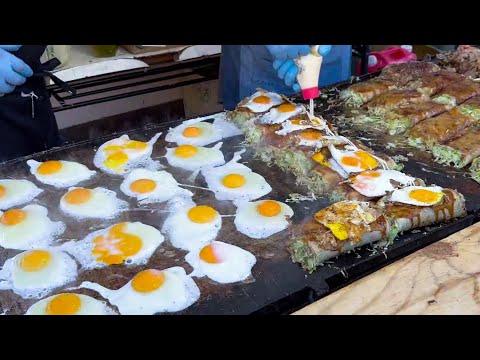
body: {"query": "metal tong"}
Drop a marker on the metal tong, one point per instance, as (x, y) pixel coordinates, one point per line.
(44, 70)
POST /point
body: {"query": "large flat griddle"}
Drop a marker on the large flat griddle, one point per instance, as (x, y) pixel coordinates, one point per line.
(278, 285)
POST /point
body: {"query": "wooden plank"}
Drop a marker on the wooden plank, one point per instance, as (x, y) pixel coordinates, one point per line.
(442, 278)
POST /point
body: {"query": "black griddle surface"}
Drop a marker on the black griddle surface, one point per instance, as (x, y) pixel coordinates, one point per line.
(278, 286)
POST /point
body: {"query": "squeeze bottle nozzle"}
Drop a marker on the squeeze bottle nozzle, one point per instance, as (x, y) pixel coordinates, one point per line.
(309, 73)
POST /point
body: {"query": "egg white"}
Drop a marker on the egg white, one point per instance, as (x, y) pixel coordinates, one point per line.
(136, 158)
(88, 306)
(235, 266)
(82, 250)
(36, 231)
(177, 293)
(103, 204)
(205, 157)
(276, 117)
(61, 270)
(275, 100)
(70, 174)
(288, 127)
(379, 186)
(17, 192)
(337, 155)
(166, 186)
(210, 132)
(255, 185)
(402, 195)
(250, 222)
(188, 235)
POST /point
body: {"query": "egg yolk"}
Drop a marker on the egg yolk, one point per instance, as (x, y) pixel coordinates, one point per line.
(49, 167)
(135, 145)
(143, 186)
(350, 161)
(3, 190)
(362, 160)
(284, 108)
(13, 217)
(185, 151)
(296, 122)
(338, 230)
(64, 304)
(320, 158)
(208, 255)
(148, 280)
(35, 260)
(202, 214)
(425, 196)
(372, 174)
(269, 208)
(130, 144)
(262, 99)
(116, 160)
(116, 246)
(192, 131)
(233, 181)
(367, 159)
(78, 196)
(311, 135)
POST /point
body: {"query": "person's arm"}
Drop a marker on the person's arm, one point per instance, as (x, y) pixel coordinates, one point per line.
(13, 71)
(284, 56)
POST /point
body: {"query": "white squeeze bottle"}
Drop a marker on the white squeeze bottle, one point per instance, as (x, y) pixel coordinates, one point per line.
(309, 73)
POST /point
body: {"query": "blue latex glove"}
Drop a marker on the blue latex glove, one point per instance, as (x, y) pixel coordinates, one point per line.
(288, 71)
(13, 71)
(284, 52)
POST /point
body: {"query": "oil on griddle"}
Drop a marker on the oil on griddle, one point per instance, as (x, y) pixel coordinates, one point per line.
(216, 298)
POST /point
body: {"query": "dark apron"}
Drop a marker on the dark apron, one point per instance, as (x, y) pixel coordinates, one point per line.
(27, 122)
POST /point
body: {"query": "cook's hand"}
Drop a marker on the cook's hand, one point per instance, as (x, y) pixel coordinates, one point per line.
(284, 52)
(10, 47)
(288, 71)
(13, 71)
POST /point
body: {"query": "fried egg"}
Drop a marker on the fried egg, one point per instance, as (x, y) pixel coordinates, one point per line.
(132, 243)
(293, 125)
(281, 113)
(60, 173)
(375, 183)
(191, 157)
(17, 192)
(314, 138)
(221, 262)
(152, 186)
(263, 101)
(35, 273)
(261, 219)
(353, 161)
(98, 203)
(121, 155)
(190, 227)
(198, 132)
(152, 291)
(418, 195)
(28, 228)
(234, 181)
(70, 304)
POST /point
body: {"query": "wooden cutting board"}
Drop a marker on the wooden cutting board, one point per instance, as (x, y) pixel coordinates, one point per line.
(443, 278)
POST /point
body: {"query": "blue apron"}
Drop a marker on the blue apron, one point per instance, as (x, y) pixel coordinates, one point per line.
(244, 68)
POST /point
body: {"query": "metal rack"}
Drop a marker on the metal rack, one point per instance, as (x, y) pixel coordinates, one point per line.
(123, 84)
(362, 51)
